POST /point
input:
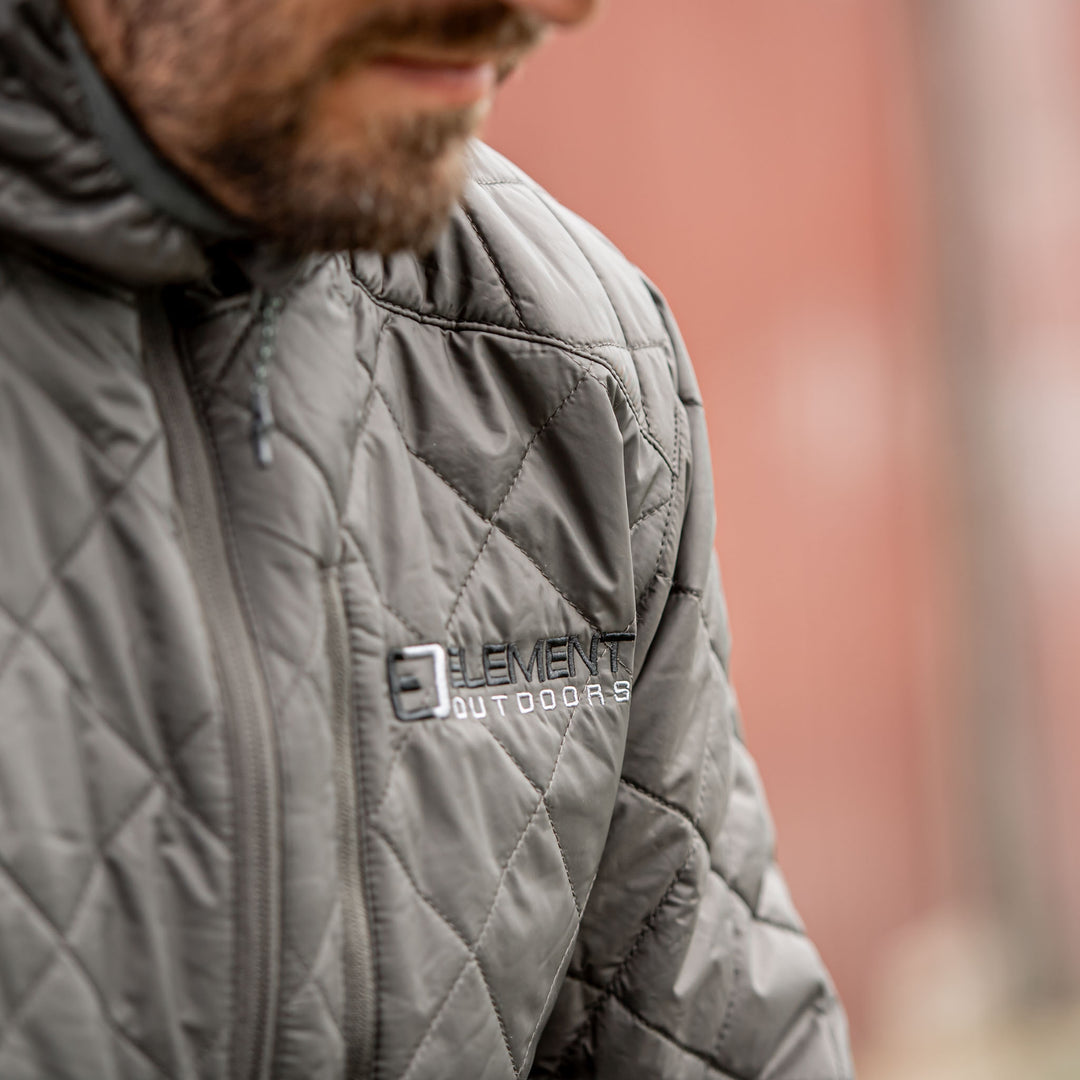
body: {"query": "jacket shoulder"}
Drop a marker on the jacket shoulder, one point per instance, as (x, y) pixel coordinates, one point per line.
(513, 256)
(513, 261)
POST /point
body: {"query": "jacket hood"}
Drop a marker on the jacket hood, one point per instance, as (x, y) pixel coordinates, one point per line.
(77, 178)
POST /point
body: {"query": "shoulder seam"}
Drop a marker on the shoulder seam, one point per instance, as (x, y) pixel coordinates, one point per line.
(572, 348)
(494, 265)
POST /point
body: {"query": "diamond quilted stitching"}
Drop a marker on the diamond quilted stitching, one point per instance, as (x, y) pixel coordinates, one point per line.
(88, 734)
(540, 791)
(509, 945)
(60, 540)
(320, 968)
(295, 465)
(507, 868)
(432, 957)
(400, 497)
(547, 274)
(464, 1032)
(307, 675)
(557, 476)
(62, 998)
(327, 972)
(20, 920)
(628, 1029)
(454, 836)
(47, 731)
(530, 741)
(309, 1037)
(537, 436)
(615, 916)
(507, 292)
(497, 408)
(663, 952)
(585, 783)
(140, 888)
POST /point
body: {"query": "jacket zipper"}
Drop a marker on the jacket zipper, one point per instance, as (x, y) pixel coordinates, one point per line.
(244, 697)
(359, 1018)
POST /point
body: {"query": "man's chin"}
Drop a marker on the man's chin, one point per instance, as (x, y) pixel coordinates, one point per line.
(328, 234)
(396, 194)
(352, 227)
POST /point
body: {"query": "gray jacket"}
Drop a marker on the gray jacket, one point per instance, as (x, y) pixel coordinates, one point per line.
(364, 707)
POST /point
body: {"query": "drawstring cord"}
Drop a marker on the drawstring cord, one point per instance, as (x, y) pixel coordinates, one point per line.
(262, 413)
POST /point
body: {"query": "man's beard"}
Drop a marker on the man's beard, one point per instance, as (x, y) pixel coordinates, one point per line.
(397, 194)
(396, 181)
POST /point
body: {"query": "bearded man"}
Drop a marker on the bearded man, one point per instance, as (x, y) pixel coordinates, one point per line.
(364, 707)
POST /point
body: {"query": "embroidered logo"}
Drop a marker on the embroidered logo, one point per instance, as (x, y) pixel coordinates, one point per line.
(423, 677)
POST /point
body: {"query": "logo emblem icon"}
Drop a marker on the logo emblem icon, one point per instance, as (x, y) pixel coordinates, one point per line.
(419, 682)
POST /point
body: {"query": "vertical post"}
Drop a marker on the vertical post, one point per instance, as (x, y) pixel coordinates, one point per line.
(988, 79)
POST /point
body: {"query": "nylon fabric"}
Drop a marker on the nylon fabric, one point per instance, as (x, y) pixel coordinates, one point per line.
(497, 454)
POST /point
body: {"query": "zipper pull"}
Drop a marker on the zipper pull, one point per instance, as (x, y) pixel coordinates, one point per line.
(262, 413)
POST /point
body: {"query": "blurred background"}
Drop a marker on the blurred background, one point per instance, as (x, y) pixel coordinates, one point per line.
(866, 215)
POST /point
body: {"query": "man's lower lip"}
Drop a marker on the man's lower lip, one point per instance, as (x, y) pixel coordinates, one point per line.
(451, 84)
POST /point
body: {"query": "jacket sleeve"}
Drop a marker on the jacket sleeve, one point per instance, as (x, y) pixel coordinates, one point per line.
(691, 960)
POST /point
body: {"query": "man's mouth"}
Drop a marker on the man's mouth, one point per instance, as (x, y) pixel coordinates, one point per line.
(438, 58)
(446, 80)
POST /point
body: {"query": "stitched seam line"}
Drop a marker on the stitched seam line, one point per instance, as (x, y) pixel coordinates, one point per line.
(521, 769)
(685, 590)
(646, 514)
(506, 495)
(608, 990)
(672, 808)
(487, 919)
(458, 933)
(90, 526)
(736, 971)
(362, 779)
(242, 337)
(324, 997)
(698, 596)
(434, 469)
(556, 986)
(627, 346)
(310, 980)
(402, 746)
(303, 672)
(372, 373)
(494, 266)
(307, 967)
(110, 1022)
(708, 762)
(30, 633)
(470, 959)
(60, 935)
(611, 303)
(100, 458)
(365, 409)
(707, 1059)
(669, 519)
(571, 348)
(387, 606)
(243, 598)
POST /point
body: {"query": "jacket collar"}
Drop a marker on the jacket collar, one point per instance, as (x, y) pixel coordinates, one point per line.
(77, 177)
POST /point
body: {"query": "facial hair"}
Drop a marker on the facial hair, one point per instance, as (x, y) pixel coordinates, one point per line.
(399, 189)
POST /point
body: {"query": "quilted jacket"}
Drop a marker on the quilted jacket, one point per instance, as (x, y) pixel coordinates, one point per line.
(364, 707)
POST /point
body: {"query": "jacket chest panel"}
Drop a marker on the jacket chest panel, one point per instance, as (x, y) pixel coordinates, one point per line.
(488, 533)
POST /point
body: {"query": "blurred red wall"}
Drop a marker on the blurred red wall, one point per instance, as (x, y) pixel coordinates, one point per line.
(762, 163)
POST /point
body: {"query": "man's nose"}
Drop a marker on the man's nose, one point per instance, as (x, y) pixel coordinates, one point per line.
(560, 12)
